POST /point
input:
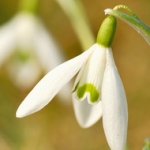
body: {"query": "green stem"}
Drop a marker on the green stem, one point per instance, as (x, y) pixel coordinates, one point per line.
(75, 12)
(126, 8)
(28, 6)
(133, 21)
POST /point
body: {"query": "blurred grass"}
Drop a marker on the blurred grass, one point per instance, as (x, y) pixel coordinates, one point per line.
(55, 126)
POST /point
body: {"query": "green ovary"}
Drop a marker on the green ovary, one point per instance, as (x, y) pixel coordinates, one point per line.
(88, 87)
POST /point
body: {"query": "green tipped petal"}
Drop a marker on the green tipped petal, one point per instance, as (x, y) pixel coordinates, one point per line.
(88, 83)
(91, 89)
(107, 31)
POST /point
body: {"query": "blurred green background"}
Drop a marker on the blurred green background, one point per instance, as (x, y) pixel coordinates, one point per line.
(55, 126)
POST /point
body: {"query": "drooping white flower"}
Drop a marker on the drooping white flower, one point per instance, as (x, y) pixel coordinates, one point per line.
(97, 92)
(25, 36)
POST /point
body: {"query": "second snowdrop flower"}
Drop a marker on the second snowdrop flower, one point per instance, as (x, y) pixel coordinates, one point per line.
(98, 89)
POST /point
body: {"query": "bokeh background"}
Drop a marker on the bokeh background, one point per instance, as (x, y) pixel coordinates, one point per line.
(55, 126)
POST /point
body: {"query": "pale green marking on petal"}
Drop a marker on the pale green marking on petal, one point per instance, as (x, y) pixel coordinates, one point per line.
(75, 88)
(88, 87)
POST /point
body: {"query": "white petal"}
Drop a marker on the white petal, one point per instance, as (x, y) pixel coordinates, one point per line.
(50, 55)
(24, 75)
(51, 84)
(92, 74)
(7, 41)
(114, 106)
(26, 26)
(86, 114)
(94, 68)
(47, 50)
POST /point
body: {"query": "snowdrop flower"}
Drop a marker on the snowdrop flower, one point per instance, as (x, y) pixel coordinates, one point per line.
(31, 51)
(97, 92)
(26, 34)
(26, 42)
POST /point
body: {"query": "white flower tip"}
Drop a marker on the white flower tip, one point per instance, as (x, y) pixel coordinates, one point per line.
(85, 125)
(107, 11)
(21, 113)
(90, 121)
(24, 110)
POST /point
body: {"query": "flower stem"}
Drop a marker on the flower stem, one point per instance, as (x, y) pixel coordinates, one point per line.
(75, 12)
(126, 8)
(132, 20)
(28, 6)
